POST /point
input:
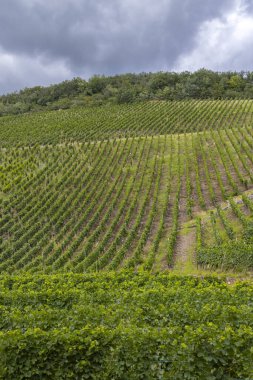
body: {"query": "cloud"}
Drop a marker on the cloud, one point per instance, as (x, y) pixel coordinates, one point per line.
(19, 71)
(47, 41)
(223, 44)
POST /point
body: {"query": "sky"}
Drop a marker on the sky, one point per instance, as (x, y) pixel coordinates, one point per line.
(44, 42)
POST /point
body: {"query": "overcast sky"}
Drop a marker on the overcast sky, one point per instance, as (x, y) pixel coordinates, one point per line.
(44, 42)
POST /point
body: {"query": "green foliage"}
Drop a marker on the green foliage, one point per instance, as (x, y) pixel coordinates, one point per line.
(235, 250)
(125, 96)
(236, 255)
(125, 88)
(125, 326)
(97, 84)
(248, 233)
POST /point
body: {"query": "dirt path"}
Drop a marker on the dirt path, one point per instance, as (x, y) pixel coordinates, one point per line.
(185, 249)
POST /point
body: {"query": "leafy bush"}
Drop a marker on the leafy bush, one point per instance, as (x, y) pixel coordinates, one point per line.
(125, 326)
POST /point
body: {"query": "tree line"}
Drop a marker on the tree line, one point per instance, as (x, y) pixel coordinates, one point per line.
(128, 88)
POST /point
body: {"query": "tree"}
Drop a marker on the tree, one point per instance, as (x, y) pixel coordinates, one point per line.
(125, 96)
(97, 84)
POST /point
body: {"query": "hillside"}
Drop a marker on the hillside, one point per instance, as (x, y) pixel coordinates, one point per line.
(112, 221)
(117, 121)
(114, 188)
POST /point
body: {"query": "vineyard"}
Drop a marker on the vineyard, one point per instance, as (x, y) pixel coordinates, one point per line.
(119, 121)
(111, 203)
(125, 326)
(97, 207)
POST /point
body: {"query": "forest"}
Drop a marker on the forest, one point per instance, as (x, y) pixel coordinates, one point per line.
(128, 88)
